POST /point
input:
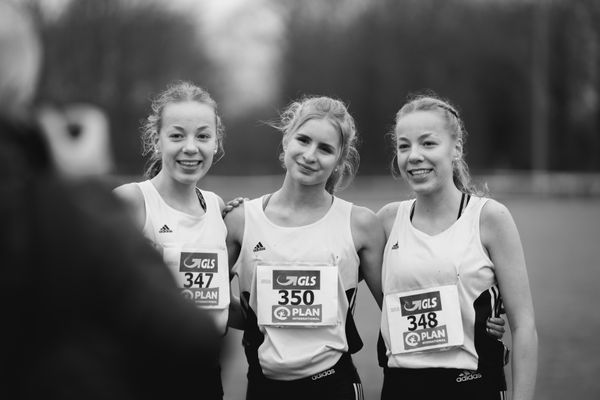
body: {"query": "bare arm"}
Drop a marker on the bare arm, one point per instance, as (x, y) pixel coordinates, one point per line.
(500, 237)
(369, 239)
(133, 198)
(234, 220)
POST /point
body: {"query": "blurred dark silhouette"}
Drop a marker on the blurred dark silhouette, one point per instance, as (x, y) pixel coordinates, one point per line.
(89, 310)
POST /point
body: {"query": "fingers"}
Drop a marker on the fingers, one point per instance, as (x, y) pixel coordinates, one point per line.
(495, 327)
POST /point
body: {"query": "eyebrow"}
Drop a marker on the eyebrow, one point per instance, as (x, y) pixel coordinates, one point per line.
(200, 128)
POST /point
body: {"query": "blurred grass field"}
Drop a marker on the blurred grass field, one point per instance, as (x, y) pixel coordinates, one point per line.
(561, 240)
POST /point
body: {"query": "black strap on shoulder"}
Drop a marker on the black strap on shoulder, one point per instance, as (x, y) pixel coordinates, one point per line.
(464, 201)
(266, 200)
(201, 199)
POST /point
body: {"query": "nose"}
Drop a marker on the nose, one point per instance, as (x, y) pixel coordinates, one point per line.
(190, 146)
(309, 154)
(415, 155)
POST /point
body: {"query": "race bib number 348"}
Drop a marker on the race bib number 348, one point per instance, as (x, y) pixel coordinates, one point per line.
(297, 295)
(425, 320)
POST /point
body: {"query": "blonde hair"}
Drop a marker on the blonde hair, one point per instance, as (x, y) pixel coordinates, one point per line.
(336, 112)
(176, 92)
(460, 170)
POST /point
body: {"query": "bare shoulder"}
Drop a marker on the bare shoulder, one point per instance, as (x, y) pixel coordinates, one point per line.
(496, 223)
(387, 215)
(388, 211)
(130, 193)
(367, 230)
(494, 213)
(363, 218)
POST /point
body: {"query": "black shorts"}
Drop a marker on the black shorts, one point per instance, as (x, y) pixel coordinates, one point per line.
(339, 382)
(439, 383)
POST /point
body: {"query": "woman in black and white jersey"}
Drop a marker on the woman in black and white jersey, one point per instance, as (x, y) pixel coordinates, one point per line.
(453, 258)
(299, 254)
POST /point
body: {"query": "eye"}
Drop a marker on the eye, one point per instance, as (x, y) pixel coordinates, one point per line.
(429, 143)
(327, 149)
(302, 139)
(203, 136)
(403, 146)
(175, 135)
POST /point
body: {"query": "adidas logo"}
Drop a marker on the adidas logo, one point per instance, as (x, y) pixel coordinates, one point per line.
(468, 376)
(258, 247)
(395, 247)
(165, 229)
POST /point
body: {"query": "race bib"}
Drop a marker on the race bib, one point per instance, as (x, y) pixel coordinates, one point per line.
(424, 320)
(201, 274)
(297, 295)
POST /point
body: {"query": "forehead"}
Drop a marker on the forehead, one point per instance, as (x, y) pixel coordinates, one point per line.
(420, 122)
(188, 112)
(320, 129)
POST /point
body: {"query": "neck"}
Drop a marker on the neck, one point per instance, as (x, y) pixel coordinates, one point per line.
(439, 202)
(302, 196)
(178, 192)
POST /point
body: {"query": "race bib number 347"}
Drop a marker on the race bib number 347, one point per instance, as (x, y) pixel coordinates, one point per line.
(202, 275)
(425, 320)
(297, 295)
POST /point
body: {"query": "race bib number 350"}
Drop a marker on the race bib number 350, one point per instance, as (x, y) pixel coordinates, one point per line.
(424, 320)
(202, 275)
(297, 295)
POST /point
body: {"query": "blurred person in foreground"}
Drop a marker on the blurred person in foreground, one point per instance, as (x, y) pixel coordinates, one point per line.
(453, 257)
(89, 310)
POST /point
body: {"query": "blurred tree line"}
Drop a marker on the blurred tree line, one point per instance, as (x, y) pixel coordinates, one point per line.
(507, 65)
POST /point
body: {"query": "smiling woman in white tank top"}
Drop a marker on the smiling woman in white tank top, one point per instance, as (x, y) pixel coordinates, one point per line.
(183, 135)
(453, 259)
(298, 254)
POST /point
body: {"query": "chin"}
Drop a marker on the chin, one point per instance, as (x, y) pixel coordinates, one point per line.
(189, 179)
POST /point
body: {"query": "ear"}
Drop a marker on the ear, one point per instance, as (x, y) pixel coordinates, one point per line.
(458, 150)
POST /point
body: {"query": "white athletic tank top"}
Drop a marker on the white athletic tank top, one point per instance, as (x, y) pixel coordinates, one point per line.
(415, 260)
(288, 353)
(193, 248)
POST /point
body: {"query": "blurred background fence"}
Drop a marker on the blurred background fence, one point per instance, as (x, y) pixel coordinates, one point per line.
(524, 73)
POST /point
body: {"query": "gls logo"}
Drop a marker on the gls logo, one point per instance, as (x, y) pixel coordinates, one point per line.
(420, 303)
(198, 262)
(293, 279)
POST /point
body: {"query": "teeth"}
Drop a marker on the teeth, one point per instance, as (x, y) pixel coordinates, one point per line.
(419, 172)
(189, 163)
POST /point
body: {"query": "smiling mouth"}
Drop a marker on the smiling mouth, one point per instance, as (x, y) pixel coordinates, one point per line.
(419, 172)
(305, 168)
(189, 163)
